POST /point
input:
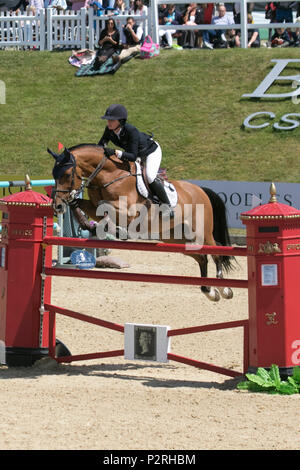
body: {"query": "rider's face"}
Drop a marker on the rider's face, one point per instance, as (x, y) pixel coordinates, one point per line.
(113, 124)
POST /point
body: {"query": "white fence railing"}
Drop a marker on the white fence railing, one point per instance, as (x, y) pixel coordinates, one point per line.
(243, 26)
(81, 29)
(22, 30)
(49, 29)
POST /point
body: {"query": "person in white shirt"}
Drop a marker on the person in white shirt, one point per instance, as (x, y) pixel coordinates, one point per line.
(219, 34)
(140, 9)
(36, 4)
(132, 37)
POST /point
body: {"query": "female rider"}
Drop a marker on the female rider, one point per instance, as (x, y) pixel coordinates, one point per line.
(135, 144)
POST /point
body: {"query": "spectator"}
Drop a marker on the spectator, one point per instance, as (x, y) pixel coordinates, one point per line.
(168, 17)
(58, 5)
(78, 4)
(206, 14)
(270, 14)
(108, 42)
(297, 33)
(132, 38)
(98, 9)
(119, 7)
(284, 12)
(138, 8)
(280, 38)
(36, 4)
(253, 35)
(217, 36)
(191, 16)
(237, 11)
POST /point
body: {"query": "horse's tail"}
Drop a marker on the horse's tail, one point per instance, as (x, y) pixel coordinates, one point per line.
(220, 232)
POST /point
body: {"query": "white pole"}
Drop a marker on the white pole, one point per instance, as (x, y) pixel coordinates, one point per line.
(154, 18)
(244, 30)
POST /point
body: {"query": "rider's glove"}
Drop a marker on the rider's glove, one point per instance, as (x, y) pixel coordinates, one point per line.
(109, 152)
(119, 154)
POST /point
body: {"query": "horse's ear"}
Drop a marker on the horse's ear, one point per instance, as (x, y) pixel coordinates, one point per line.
(54, 155)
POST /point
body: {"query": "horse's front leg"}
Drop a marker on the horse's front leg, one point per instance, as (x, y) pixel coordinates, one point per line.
(81, 218)
(87, 207)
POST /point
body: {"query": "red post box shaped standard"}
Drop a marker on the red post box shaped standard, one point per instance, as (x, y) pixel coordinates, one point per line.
(273, 242)
(26, 217)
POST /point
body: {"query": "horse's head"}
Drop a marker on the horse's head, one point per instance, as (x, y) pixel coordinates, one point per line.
(67, 180)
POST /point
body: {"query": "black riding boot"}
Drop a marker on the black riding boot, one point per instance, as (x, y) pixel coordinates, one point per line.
(157, 188)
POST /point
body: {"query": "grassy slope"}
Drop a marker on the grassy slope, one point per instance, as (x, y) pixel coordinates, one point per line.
(191, 100)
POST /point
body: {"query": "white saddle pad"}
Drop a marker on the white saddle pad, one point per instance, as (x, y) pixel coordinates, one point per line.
(143, 191)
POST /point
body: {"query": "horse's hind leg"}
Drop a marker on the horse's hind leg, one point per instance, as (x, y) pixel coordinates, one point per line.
(211, 292)
(226, 292)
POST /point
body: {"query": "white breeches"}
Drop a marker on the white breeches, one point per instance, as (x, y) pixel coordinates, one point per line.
(168, 33)
(153, 163)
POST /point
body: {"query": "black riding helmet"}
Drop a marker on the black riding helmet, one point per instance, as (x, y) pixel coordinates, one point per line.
(115, 111)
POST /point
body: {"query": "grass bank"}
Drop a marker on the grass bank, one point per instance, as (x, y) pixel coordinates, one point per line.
(191, 101)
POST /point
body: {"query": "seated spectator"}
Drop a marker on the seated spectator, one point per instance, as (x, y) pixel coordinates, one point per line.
(206, 14)
(191, 16)
(218, 36)
(280, 38)
(108, 42)
(132, 38)
(168, 17)
(253, 36)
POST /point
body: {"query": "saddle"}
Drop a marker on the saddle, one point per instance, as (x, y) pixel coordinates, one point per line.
(143, 187)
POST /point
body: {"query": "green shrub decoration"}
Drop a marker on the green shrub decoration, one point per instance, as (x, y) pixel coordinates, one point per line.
(270, 381)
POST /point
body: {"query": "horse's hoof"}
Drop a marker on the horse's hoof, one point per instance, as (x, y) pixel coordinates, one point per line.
(226, 293)
(213, 295)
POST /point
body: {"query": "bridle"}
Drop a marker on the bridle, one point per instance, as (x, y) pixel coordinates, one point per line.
(75, 193)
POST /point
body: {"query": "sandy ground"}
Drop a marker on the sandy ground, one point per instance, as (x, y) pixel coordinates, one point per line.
(118, 404)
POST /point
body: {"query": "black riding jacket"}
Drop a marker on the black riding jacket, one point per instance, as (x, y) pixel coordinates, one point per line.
(135, 143)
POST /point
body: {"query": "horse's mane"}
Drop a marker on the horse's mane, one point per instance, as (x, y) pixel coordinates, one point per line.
(83, 145)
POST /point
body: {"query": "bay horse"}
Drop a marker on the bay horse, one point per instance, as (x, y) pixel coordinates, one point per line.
(86, 166)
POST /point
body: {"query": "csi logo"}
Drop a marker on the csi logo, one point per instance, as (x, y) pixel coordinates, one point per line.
(288, 80)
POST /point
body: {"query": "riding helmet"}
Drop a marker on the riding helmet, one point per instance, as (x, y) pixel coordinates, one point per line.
(115, 111)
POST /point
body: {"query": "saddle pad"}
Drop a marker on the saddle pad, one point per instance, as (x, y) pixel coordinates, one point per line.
(143, 191)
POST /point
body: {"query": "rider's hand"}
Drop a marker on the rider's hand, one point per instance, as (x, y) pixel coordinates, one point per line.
(109, 152)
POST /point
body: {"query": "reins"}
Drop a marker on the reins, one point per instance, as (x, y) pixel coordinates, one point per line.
(86, 184)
